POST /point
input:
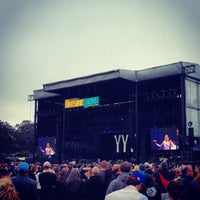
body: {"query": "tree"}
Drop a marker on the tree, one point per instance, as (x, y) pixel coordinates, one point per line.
(7, 138)
(18, 140)
(25, 137)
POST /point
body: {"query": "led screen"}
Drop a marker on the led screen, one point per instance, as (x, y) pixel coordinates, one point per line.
(47, 146)
(164, 138)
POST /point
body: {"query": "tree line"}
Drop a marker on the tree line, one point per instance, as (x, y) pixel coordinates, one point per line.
(16, 140)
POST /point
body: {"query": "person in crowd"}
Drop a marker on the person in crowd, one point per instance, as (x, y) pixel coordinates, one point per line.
(85, 171)
(73, 185)
(167, 144)
(105, 171)
(129, 192)
(94, 187)
(25, 186)
(47, 181)
(191, 189)
(120, 181)
(141, 173)
(37, 171)
(145, 174)
(197, 177)
(148, 168)
(115, 172)
(88, 172)
(13, 169)
(61, 182)
(7, 190)
(138, 171)
(4, 171)
(31, 172)
(175, 190)
(149, 188)
(162, 177)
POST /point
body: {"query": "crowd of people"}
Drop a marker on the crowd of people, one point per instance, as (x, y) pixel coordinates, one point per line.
(99, 180)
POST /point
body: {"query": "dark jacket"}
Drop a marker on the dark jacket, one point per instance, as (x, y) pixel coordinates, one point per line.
(72, 191)
(94, 188)
(166, 174)
(26, 187)
(191, 189)
(150, 189)
(48, 182)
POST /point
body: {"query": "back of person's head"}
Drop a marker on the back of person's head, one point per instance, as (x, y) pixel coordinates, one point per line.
(142, 167)
(186, 170)
(23, 167)
(104, 164)
(175, 189)
(125, 167)
(7, 190)
(136, 168)
(116, 168)
(63, 175)
(4, 171)
(133, 180)
(147, 165)
(95, 171)
(46, 165)
(74, 175)
(164, 165)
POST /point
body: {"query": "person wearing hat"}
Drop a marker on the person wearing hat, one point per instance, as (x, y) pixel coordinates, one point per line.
(130, 192)
(25, 186)
(47, 180)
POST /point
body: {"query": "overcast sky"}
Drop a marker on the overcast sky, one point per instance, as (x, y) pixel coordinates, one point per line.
(43, 41)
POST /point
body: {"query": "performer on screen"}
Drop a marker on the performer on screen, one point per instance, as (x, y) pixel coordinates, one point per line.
(167, 144)
(48, 150)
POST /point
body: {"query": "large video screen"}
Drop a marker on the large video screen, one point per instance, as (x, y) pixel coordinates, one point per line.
(47, 146)
(164, 138)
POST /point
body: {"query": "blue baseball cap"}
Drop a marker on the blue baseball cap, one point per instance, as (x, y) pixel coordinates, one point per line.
(23, 166)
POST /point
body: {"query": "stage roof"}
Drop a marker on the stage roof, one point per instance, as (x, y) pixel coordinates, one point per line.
(189, 69)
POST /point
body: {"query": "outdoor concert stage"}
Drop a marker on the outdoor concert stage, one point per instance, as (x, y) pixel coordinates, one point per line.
(117, 114)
